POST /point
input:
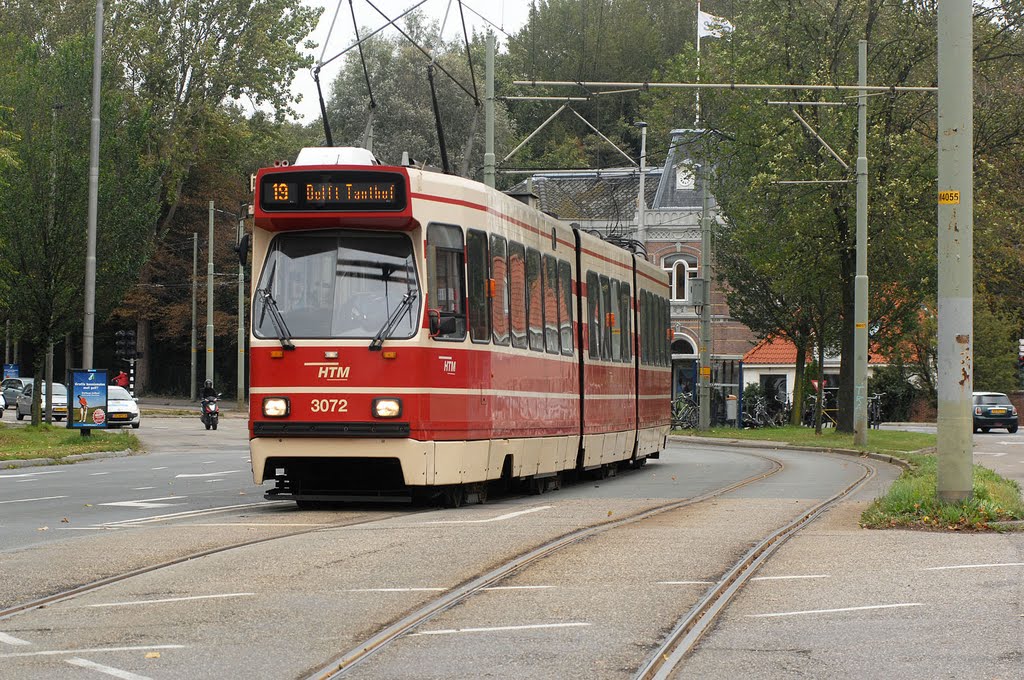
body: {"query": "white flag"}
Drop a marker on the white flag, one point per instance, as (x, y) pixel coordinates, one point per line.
(708, 25)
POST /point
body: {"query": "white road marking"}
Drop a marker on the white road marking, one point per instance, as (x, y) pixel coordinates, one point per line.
(686, 583)
(211, 481)
(98, 474)
(31, 474)
(146, 503)
(106, 670)
(11, 640)
(208, 462)
(191, 513)
(143, 488)
(205, 474)
(974, 566)
(787, 578)
(831, 611)
(518, 587)
(160, 468)
(58, 652)
(259, 524)
(509, 515)
(396, 590)
(535, 626)
(26, 500)
(990, 453)
(170, 599)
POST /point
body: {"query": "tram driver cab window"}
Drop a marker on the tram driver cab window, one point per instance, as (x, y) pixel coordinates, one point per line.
(446, 289)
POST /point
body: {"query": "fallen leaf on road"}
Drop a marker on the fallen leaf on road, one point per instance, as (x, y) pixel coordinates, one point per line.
(42, 528)
(65, 521)
(152, 655)
(88, 505)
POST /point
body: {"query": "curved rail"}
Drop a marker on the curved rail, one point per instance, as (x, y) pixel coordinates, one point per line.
(688, 631)
(342, 664)
(103, 582)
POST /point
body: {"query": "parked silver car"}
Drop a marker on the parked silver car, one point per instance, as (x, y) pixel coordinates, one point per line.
(59, 410)
(11, 388)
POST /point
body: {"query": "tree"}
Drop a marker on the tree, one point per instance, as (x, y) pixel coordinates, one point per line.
(995, 350)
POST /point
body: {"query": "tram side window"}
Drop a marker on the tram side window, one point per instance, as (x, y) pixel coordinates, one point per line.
(663, 344)
(534, 300)
(550, 277)
(615, 322)
(647, 309)
(517, 293)
(666, 336)
(500, 301)
(625, 324)
(606, 329)
(565, 306)
(594, 315)
(479, 312)
(445, 284)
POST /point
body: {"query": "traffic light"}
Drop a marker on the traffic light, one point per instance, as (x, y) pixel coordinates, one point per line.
(124, 344)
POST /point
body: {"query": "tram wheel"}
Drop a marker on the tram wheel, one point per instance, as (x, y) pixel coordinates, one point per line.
(454, 496)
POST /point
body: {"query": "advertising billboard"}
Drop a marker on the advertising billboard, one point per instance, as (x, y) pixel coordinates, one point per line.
(87, 398)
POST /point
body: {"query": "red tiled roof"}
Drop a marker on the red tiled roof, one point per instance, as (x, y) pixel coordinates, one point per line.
(782, 352)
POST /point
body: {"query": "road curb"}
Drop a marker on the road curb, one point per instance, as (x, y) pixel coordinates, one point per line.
(73, 458)
(764, 444)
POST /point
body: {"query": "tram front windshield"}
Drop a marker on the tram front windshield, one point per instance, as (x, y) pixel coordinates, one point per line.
(336, 284)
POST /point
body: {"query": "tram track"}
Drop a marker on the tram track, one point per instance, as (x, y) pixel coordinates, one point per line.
(360, 653)
(69, 593)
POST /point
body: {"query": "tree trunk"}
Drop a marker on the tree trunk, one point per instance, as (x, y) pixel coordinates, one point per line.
(798, 386)
(820, 405)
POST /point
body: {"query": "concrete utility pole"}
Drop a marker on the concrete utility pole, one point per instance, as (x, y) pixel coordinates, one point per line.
(489, 114)
(241, 312)
(209, 300)
(860, 313)
(704, 351)
(89, 320)
(195, 265)
(641, 203)
(956, 250)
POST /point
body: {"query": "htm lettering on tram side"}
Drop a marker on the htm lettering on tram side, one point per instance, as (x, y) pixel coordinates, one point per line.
(333, 372)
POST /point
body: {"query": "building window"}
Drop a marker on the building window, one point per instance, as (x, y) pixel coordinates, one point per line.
(681, 269)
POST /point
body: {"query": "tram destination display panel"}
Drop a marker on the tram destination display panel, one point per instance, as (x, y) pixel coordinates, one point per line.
(332, 191)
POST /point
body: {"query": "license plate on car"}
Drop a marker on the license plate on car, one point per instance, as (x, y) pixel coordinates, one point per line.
(998, 411)
(119, 416)
(60, 409)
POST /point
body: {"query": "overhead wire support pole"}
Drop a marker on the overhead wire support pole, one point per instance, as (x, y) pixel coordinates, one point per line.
(860, 312)
(599, 134)
(489, 113)
(820, 140)
(89, 315)
(534, 133)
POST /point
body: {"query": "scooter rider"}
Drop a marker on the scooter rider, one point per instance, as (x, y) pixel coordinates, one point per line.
(208, 391)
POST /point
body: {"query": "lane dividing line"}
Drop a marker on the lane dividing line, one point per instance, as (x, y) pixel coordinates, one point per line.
(396, 590)
(146, 503)
(685, 583)
(106, 670)
(259, 524)
(143, 488)
(31, 474)
(788, 578)
(509, 515)
(452, 631)
(974, 566)
(831, 611)
(26, 500)
(11, 640)
(94, 650)
(98, 474)
(170, 599)
(160, 468)
(205, 474)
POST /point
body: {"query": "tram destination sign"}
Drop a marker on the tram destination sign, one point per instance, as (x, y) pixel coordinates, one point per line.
(332, 191)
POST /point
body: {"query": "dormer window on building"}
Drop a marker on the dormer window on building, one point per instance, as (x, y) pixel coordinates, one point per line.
(681, 270)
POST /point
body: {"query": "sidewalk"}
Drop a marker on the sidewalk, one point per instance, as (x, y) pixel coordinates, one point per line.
(228, 407)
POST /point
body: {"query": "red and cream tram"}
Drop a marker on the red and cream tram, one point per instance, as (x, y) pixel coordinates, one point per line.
(419, 335)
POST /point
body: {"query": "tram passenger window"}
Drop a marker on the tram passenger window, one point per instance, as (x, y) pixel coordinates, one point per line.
(517, 293)
(663, 341)
(606, 310)
(594, 315)
(534, 300)
(624, 311)
(615, 320)
(479, 302)
(446, 288)
(550, 276)
(500, 301)
(565, 306)
(646, 318)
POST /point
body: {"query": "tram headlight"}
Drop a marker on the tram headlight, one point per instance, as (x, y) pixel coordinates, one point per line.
(387, 407)
(276, 407)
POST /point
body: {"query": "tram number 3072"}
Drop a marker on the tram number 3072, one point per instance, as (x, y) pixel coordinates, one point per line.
(329, 406)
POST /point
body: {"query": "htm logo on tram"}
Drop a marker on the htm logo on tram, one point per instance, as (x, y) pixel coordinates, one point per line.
(333, 372)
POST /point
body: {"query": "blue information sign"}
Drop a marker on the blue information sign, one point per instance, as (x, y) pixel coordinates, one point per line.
(87, 398)
(10, 371)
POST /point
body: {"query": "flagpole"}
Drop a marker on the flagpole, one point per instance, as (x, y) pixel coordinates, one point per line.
(696, 120)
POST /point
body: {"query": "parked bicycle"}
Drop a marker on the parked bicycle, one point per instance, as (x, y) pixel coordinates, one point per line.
(685, 412)
(875, 410)
(758, 414)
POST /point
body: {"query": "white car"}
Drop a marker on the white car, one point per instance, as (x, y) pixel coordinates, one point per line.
(122, 408)
(3, 404)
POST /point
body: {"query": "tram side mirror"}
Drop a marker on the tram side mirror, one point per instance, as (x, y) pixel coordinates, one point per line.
(242, 248)
(439, 326)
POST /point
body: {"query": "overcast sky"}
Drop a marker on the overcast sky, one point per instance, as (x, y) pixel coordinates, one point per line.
(509, 15)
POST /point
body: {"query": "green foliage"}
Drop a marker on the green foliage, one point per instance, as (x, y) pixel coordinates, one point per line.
(912, 501)
(995, 349)
(895, 381)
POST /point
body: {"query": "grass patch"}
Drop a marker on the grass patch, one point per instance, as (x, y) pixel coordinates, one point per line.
(880, 441)
(52, 441)
(912, 501)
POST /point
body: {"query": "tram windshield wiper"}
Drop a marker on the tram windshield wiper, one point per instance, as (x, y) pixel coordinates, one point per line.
(389, 325)
(270, 304)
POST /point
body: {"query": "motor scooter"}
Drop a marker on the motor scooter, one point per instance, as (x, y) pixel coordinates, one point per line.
(209, 412)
